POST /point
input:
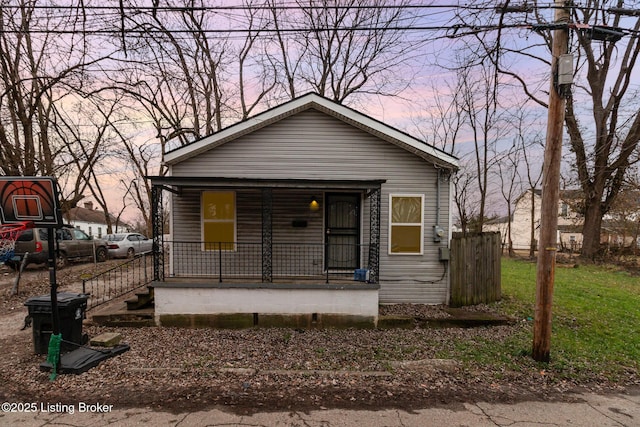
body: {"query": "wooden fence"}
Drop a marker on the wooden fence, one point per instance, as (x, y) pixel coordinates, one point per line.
(475, 268)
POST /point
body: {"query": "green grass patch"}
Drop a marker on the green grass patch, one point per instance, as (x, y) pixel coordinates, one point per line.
(596, 322)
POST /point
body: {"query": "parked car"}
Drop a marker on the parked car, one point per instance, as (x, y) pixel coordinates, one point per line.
(127, 245)
(72, 244)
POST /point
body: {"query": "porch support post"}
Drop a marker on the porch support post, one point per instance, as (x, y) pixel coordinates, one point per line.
(157, 224)
(374, 235)
(267, 235)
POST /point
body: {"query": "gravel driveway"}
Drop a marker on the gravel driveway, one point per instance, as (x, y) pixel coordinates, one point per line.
(256, 369)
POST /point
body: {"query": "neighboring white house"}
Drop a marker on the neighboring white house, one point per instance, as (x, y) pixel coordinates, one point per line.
(93, 221)
(620, 227)
(310, 211)
(528, 205)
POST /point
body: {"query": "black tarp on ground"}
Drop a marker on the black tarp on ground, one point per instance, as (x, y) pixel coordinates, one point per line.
(84, 358)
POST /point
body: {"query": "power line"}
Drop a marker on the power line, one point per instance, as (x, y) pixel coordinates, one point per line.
(266, 6)
(274, 30)
(456, 30)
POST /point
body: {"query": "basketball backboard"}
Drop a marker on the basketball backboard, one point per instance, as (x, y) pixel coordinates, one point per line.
(30, 198)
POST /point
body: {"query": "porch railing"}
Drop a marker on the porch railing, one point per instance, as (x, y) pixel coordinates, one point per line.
(119, 280)
(238, 260)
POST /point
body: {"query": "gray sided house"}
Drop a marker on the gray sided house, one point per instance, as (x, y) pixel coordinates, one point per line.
(310, 213)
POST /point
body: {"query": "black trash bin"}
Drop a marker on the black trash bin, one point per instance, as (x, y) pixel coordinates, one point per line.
(71, 310)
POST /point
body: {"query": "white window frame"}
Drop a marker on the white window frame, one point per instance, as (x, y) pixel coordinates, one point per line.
(391, 223)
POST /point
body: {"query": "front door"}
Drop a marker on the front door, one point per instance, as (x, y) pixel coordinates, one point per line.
(342, 231)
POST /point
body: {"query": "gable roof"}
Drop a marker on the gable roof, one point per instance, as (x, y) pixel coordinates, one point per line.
(78, 213)
(86, 215)
(317, 102)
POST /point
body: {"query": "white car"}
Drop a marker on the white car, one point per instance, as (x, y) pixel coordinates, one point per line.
(127, 245)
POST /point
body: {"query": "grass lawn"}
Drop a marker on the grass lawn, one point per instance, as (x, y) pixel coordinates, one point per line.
(596, 324)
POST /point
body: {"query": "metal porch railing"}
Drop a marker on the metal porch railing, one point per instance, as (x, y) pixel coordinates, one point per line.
(225, 260)
(117, 281)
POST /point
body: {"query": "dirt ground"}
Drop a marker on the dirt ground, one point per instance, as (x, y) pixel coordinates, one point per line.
(268, 369)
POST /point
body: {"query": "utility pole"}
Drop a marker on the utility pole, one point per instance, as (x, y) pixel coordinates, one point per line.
(550, 192)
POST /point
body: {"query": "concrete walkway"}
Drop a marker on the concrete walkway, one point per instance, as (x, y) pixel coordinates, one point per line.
(588, 410)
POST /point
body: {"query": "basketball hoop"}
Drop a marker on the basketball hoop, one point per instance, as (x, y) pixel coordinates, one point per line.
(9, 233)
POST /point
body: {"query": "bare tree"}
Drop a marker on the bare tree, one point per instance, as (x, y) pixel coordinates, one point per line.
(142, 158)
(137, 160)
(602, 118)
(85, 133)
(175, 70)
(462, 187)
(464, 120)
(265, 80)
(347, 47)
(32, 70)
(534, 176)
(530, 144)
(602, 167)
(479, 104)
(510, 183)
(441, 121)
(42, 72)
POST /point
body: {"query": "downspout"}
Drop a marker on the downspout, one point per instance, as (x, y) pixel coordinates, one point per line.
(438, 231)
(438, 199)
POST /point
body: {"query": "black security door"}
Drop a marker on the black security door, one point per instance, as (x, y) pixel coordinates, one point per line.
(342, 231)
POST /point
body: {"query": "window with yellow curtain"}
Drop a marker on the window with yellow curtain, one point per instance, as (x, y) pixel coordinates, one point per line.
(406, 215)
(219, 220)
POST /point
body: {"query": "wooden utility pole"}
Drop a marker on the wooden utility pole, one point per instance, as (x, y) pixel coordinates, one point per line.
(550, 193)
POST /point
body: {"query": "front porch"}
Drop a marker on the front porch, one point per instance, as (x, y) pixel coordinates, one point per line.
(310, 266)
(238, 304)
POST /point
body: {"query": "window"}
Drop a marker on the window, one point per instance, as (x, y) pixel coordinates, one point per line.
(218, 220)
(80, 235)
(406, 215)
(27, 236)
(64, 234)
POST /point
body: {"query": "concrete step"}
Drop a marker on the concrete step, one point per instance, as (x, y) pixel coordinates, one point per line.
(141, 300)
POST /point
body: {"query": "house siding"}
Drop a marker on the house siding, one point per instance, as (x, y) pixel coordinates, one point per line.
(313, 145)
(521, 223)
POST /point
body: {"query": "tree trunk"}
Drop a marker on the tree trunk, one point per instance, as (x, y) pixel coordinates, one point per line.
(591, 230)
(512, 253)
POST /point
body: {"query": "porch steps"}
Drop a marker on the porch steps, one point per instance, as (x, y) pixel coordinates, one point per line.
(141, 300)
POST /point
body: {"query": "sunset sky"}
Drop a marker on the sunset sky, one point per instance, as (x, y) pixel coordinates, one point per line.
(441, 41)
